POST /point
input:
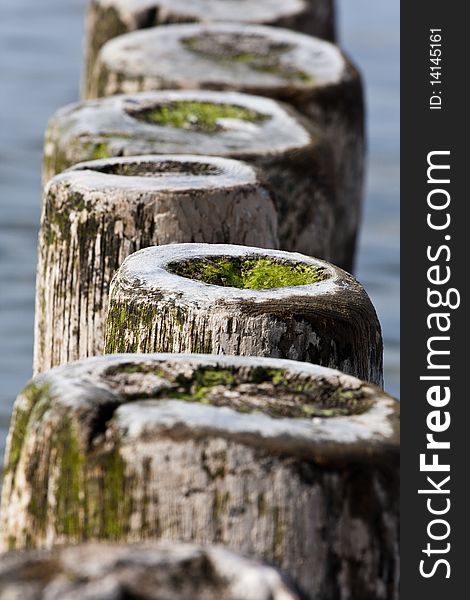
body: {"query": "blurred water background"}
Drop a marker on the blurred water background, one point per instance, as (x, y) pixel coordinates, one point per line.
(40, 62)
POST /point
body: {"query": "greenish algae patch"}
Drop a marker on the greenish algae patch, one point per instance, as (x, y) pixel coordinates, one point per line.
(279, 534)
(260, 390)
(69, 482)
(198, 116)
(257, 52)
(131, 326)
(247, 273)
(116, 508)
(100, 151)
(262, 375)
(272, 395)
(33, 395)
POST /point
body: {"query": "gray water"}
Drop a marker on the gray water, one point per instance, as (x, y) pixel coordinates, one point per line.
(40, 60)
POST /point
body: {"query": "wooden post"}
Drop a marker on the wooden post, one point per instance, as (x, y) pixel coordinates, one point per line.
(289, 462)
(221, 299)
(107, 19)
(171, 571)
(311, 74)
(97, 214)
(294, 159)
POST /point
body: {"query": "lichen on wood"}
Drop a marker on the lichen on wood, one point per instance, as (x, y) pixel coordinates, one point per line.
(237, 300)
(213, 450)
(290, 153)
(99, 212)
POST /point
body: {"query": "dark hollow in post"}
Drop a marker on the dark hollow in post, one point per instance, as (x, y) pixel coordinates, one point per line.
(174, 571)
(236, 300)
(285, 461)
(107, 19)
(295, 160)
(312, 75)
(97, 214)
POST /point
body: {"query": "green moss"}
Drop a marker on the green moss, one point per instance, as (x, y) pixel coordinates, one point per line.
(11, 543)
(211, 377)
(69, 482)
(262, 375)
(262, 505)
(220, 504)
(279, 534)
(116, 508)
(132, 327)
(247, 273)
(57, 222)
(284, 72)
(100, 151)
(124, 324)
(32, 395)
(198, 387)
(55, 160)
(198, 116)
(257, 52)
(268, 391)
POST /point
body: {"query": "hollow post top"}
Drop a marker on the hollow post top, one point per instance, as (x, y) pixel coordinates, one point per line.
(253, 58)
(203, 274)
(261, 11)
(175, 122)
(279, 406)
(159, 173)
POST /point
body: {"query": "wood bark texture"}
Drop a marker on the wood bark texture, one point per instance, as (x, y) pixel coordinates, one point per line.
(312, 75)
(164, 571)
(97, 214)
(107, 19)
(294, 159)
(331, 322)
(289, 462)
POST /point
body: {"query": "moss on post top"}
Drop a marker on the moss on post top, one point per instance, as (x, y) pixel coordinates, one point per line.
(206, 117)
(226, 124)
(256, 51)
(246, 57)
(280, 405)
(250, 273)
(204, 274)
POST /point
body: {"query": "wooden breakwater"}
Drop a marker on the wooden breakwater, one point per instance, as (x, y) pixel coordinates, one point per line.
(285, 461)
(237, 300)
(291, 462)
(108, 19)
(312, 75)
(98, 213)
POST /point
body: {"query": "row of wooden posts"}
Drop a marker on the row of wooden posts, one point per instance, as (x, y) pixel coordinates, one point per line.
(228, 384)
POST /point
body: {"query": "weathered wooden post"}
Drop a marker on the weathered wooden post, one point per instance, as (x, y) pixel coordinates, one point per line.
(285, 461)
(295, 160)
(222, 299)
(97, 214)
(107, 19)
(174, 571)
(311, 74)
